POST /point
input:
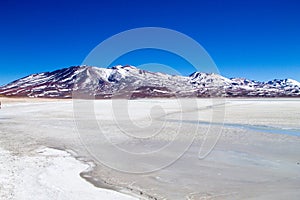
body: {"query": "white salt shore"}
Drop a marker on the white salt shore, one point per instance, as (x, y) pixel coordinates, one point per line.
(48, 174)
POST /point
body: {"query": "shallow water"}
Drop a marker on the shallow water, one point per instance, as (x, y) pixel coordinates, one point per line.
(257, 128)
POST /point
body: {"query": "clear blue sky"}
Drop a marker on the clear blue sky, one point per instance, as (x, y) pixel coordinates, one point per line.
(254, 39)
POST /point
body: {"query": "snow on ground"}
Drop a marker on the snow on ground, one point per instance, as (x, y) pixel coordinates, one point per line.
(48, 174)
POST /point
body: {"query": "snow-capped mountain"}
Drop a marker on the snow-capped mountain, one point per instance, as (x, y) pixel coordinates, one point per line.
(131, 82)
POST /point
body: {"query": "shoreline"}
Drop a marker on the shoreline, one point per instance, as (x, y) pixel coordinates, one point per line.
(103, 184)
(41, 173)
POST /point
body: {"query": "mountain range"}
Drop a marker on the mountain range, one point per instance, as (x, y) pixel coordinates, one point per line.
(131, 82)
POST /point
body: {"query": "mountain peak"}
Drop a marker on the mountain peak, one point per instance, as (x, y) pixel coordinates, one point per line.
(123, 67)
(131, 82)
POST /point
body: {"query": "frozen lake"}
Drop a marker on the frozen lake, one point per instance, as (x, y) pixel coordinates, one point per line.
(167, 149)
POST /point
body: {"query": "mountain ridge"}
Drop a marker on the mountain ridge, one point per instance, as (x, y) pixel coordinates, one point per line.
(131, 82)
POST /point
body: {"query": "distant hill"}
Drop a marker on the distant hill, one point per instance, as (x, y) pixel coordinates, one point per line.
(131, 82)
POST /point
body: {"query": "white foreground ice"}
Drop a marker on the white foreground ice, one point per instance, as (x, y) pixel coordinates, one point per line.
(48, 174)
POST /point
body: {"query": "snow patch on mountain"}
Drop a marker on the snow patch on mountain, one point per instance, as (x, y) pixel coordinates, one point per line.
(131, 82)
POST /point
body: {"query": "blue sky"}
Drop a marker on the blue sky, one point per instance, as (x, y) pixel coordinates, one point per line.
(254, 39)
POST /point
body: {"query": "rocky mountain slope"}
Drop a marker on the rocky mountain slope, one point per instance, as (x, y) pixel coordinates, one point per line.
(131, 82)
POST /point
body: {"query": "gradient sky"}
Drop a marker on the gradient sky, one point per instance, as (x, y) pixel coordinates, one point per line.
(254, 39)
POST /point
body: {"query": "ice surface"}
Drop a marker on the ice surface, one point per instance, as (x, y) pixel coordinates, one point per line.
(245, 163)
(46, 175)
